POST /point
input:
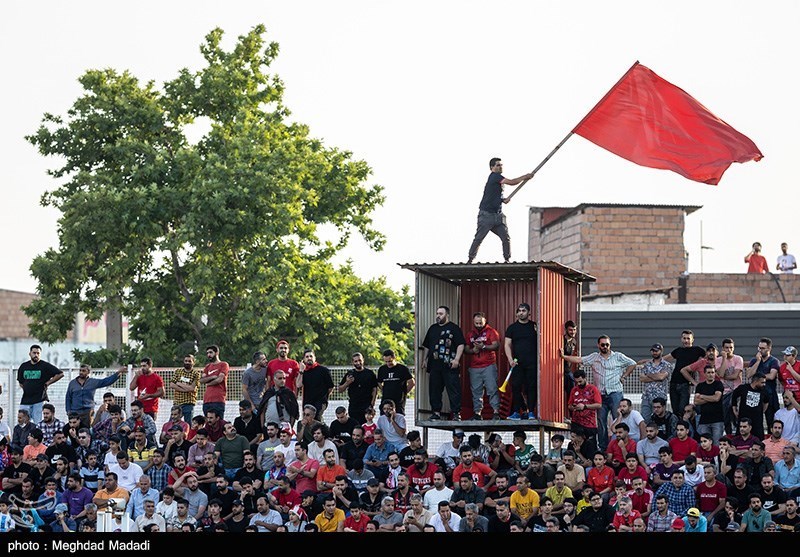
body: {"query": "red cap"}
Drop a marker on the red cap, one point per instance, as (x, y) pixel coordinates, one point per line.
(282, 341)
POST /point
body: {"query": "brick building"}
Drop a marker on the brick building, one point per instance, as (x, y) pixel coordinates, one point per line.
(13, 322)
(638, 256)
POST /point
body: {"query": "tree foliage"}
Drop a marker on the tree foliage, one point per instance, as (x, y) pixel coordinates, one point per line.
(215, 240)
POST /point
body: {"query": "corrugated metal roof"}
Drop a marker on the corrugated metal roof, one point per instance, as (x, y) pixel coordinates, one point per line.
(522, 270)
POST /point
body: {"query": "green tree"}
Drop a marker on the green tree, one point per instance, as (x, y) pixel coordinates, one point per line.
(210, 240)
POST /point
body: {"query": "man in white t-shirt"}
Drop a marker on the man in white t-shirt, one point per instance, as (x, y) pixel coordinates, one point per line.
(633, 418)
(439, 492)
(786, 261)
(128, 473)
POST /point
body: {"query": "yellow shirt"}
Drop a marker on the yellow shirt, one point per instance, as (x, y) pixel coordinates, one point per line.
(326, 524)
(119, 493)
(524, 506)
(558, 498)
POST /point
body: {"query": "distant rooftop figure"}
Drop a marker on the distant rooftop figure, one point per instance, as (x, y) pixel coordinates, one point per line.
(786, 261)
(757, 262)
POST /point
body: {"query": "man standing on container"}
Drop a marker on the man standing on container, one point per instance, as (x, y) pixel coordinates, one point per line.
(521, 346)
(34, 376)
(442, 349)
(482, 344)
(490, 212)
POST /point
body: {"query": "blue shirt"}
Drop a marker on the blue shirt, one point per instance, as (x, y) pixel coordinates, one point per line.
(135, 506)
(374, 452)
(786, 478)
(80, 398)
(702, 524)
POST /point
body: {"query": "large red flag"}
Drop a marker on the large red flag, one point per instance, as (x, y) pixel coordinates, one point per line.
(651, 122)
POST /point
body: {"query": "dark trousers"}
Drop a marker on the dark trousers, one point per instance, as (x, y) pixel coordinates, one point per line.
(491, 222)
(441, 378)
(679, 398)
(524, 384)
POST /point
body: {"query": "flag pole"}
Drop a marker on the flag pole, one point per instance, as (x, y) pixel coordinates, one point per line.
(557, 147)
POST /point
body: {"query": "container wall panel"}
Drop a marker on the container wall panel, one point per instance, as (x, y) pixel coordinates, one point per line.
(551, 317)
(431, 293)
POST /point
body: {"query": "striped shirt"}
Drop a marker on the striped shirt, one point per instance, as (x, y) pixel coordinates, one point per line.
(607, 372)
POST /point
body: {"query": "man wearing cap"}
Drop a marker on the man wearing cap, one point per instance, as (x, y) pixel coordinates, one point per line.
(237, 521)
(284, 363)
(655, 379)
(789, 371)
(63, 521)
(448, 455)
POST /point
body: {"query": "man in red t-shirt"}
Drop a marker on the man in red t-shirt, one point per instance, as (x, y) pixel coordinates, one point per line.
(584, 401)
(482, 344)
(711, 493)
(149, 387)
(215, 378)
(481, 473)
(682, 445)
(757, 262)
(284, 363)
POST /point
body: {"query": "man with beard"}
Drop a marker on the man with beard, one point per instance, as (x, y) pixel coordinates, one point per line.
(317, 382)
(395, 381)
(686, 354)
(609, 369)
(361, 386)
(34, 377)
(481, 348)
(149, 387)
(442, 347)
(422, 472)
(279, 403)
(254, 380)
(290, 367)
(215, 378)
(80, 393)
(764, 363)
(750, 400)
(184, 384)
(521, 341)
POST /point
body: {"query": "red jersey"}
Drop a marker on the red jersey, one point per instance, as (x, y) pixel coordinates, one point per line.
(218, 392)
(787, 379)
(585, 395)
(484, 358)
(682, 449)
(148, 385)
(287, 499)
(601, 479)
(622, 520)
(421, 480)
(643, 502)
(358, 526)
(627, 476)
(616, 452)
(709, 497)
(288, 366)
(479, 471)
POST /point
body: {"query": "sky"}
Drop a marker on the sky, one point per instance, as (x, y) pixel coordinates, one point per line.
(427, 93)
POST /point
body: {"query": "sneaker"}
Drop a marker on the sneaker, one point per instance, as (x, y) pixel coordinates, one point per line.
(476, 416)
(514, 416)
(531, 416)
(496, 416)
(435, 416)
(456, 417)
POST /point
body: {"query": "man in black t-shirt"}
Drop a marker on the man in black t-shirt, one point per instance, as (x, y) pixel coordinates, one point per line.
(441, 358)
(317, 382)
(684, 355)
(395, 381)
(362, 388)
(490, 213)
(521, 345)
(34, 376)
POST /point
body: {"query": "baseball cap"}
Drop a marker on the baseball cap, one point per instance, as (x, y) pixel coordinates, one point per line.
(790, 351)
(694, 512)
(176, 428)
(732, 526)
(41, 456)
(711, 346)
(678, 523)
(373, 482)
(657, 346)
(458, 433)
(237, 503)
(62, 508)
